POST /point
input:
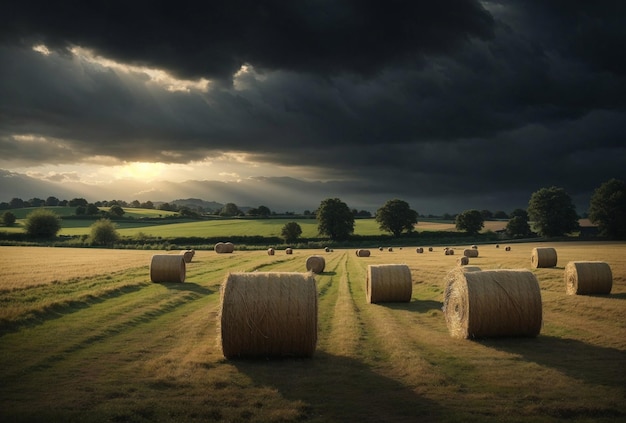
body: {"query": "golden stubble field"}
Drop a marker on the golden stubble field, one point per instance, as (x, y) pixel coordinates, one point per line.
(85, 336)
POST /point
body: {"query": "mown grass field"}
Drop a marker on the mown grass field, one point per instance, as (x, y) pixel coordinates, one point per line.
(86, 337)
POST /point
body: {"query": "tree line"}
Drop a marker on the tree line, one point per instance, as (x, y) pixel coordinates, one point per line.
(550, 210)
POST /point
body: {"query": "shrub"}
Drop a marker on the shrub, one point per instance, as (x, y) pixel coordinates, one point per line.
(42, 223)
(103, 232)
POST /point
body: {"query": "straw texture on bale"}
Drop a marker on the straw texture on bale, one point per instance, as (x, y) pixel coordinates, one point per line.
(543, 257)
(270, 251)
(419, 250)
(463, 261)
(288, 251)
(388, 283)
(363, 253)
(188, 255)
(167, 268)
(315, 264)
(492, 303)
(588, 278)
(268, 314)
(470, 252)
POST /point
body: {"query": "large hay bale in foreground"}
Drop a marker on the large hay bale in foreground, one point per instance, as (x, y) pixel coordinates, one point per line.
(167, 268)
(388, 283)
(588, 278)
(268, 314)
(188, 255)
(543, 257)
(470, 252)
(315, 264)
(492, 303)
(363, 253)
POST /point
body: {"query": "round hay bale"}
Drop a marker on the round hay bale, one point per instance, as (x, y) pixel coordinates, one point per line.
(224, 247)
(187, 255)
(326, 249)
(288, 251)
(588, 278)
(380, 248)
(543, 257)
(230, 247)
(270, 251)
(430, 249)
(363, 253)
(497, 245)
(390, 249)
(268, 314)
(463, 261)
(167, 268)
(315, 264)
(492, 303)
(449, 252)
(419, 250)
(388, 283)
(507, 248)
(470, 252)
(475, 247)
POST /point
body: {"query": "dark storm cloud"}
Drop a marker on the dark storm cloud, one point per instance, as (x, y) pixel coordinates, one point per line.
(213, 39)
(437, 100)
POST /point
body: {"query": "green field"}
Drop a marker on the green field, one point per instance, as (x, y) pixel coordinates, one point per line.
(85, 336)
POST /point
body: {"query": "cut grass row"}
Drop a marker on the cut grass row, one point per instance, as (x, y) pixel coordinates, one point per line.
(150, 354)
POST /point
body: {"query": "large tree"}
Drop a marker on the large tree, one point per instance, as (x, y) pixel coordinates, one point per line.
(396, 216)
(518, 227)
(335, 219)
(471, 221)
(553, 212)
(607, 209)
(291, 232)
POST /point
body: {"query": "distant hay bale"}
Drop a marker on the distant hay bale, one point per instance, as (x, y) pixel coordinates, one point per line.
(497, 245)
(388, 283)
(167, 268)
(326, 249)
(419, 250)
(224, 247)
(390, 249)
(268, 314)
(270, 251)
(315, 264)
(469, 252)
(380, 248)
(449, 252)
(543, 257)
(363, 253)
(288, 251)
(492, 303)
(588, 278)
(463, 261)
(187, 255)
(507, 248)
(430, 249)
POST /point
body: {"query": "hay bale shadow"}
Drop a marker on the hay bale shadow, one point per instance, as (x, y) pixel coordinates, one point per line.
(341, 389)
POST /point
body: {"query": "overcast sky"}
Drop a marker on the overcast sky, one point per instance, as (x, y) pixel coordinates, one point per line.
(449, 105)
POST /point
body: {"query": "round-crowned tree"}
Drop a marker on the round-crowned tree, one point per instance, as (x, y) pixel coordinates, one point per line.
(42, 223)
(607, 209)
(103, 232)
(291, 232)
(396, 216)
(335, 219)
(553, 212)
(8, 218)
(470, 221)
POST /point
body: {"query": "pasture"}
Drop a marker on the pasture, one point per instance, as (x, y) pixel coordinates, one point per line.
(85, 336)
